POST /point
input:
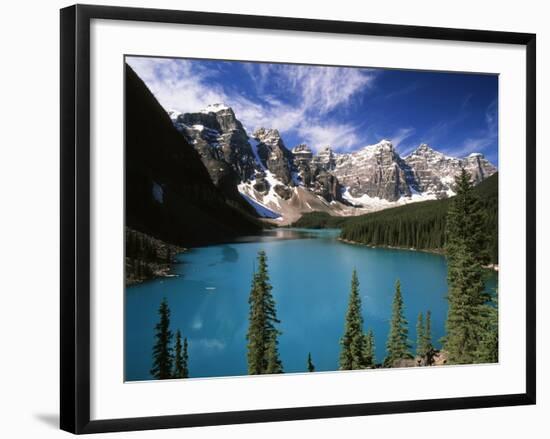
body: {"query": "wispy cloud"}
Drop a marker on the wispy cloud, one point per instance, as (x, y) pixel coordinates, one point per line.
(208, 343)
(485, 137)
(176, 83)
(400, 135)
(342, 135)
(411, 88)
(310, 94)
(466, 101)
(312, 104)
(322, 89)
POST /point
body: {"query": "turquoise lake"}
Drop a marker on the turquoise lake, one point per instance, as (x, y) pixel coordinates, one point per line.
(310, 272)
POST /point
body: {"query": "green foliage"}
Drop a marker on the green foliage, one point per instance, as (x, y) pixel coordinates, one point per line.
(180, 358)
(273, 363)
(319, 220)
(262, 355)
(420, 334)
(162, 350)
(369, 353)
(185, 359)
(424, 335)
(310, 365)
(467, 252)
(422, 225)
(487, 351)
(146, 257)
(427, 341)
(353, 341)
(397, 345)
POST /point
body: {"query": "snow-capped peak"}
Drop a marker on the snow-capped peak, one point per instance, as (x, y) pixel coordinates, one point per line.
(174, 114)
(301, 148)
(426, 151)
(384, 144)
(424, 147)
(214, 108)
(268, 136)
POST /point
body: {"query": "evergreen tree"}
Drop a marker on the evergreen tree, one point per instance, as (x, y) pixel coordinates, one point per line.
(466, 255)
(420, 336)
(428, 345)
(273, 363)
(310, 365)
(417, 225)
(162, 350)
(487, 351)
(369, 355)
(398, 344)
(180, 358)
(256, 319)
(262, 331)
(352, 343)
(185, 359)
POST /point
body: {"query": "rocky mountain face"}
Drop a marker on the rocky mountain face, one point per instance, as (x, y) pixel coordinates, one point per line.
(434, 172)
(273, 154)
(218, 136)
(278, 182)
(222, 143)
(376, 171)
(314, 172)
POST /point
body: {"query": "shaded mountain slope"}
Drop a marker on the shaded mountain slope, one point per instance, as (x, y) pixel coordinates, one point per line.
(169, 193)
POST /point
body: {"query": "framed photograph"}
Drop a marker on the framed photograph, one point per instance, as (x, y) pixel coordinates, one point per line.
(268, 218)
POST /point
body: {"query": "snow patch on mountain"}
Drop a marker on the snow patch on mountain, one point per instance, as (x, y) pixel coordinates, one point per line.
(271, 200)
(214, 108)
(254, 144)
(174, 114)
(261, 210)
(376, 203)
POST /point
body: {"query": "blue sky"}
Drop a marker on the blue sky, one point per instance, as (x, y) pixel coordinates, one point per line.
(344, 107)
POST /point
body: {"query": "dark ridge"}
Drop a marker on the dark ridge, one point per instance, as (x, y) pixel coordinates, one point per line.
(169, 194)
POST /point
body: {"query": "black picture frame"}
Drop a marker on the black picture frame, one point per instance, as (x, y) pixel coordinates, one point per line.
(75, 217)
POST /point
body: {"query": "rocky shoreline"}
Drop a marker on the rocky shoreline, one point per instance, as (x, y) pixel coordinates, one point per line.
(147, 257)
(156, 271)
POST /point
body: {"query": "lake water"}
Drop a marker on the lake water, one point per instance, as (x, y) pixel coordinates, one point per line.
(310, 272)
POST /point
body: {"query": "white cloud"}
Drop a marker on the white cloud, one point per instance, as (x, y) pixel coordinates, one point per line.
(209, 343)
(342, 136)
(400, 135)
(176, 83)
(323, 89)
(486, 137)
(312, 92)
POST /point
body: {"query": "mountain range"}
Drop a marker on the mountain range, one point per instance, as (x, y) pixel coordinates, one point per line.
(282, 183)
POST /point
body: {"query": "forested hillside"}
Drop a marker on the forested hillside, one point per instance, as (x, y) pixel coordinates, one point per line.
(422, 225)
(319, 220)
